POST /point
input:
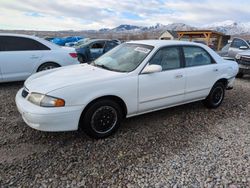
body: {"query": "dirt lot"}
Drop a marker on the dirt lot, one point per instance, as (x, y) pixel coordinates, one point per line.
(186, 146)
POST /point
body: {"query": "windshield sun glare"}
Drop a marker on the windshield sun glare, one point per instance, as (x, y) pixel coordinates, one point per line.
(124, 58)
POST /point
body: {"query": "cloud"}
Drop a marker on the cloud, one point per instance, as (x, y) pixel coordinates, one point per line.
(89, 14)
(198, 12)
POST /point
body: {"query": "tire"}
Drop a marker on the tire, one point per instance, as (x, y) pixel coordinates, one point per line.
(216, 96)
(47, 66)
(239, 75)
(101, 119)
(82, 59)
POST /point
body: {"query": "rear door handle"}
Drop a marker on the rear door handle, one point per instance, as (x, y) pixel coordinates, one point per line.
(216, 70)
(179, 76)
(34, 57)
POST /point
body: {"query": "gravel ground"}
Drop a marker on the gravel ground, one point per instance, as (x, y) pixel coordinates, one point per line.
(185, 146)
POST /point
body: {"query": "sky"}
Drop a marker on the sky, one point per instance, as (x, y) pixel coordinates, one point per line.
(97, 14)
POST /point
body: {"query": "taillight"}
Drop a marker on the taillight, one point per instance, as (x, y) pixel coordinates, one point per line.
(73, 55)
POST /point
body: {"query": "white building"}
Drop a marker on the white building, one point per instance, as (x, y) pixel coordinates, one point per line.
(169, 35)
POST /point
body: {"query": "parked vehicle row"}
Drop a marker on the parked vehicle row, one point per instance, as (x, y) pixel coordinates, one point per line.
(23, 55)
(131, 79)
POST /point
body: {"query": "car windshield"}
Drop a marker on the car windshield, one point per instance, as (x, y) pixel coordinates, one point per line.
(124, 58)
(81, 42)
(226, 47)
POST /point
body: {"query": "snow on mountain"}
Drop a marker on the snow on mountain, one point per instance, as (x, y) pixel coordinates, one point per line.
(179, 27)
(157, 27)
(126, 28)
(228, 27)
(226, 23)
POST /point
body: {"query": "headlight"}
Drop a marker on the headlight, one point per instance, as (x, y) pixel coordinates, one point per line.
(45, 100)
(238, 56)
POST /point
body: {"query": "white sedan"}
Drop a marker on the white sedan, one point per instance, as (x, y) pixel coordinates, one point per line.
(133, 78)
(23, 55)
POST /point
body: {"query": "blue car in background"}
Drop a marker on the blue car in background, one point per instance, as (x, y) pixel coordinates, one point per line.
(94, 48)
(66, 40)
(58, 41)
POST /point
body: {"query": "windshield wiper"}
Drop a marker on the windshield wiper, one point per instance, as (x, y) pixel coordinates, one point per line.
(103, 66)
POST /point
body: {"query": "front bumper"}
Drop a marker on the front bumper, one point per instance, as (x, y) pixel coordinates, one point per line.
(244, 69)
(230, 83)
(244, 64)
(48, 119)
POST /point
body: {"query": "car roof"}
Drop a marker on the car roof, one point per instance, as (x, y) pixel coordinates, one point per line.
(160, 43)
(18, 35)
(96, 40)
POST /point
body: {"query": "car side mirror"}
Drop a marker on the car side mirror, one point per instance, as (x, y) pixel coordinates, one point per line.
(243, 48)
(151, 69)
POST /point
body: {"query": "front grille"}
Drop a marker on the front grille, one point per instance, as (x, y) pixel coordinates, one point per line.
(244, 60)
(24, 93)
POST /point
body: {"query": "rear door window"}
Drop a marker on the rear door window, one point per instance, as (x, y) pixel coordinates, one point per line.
(196, 56)
(12, 43)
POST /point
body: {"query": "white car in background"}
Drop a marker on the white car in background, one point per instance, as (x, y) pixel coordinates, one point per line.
(133, 78)
(23, 55)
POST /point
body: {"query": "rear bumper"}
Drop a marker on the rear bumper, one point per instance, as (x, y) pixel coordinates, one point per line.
(48, 119)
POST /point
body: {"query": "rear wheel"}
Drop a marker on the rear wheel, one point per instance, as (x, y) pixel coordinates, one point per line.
(47, 66)
(216, 96)
(101, 119)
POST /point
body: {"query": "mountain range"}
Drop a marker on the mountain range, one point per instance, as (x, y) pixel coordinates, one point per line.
(228, 27)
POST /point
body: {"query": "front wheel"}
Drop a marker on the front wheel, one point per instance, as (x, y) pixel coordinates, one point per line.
(216, 96)
(101, 119)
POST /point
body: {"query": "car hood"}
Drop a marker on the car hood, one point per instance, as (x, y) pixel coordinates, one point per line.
(245, 53)
(47, 81)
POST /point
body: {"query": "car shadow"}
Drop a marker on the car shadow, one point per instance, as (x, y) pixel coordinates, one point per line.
(173, 128)
(164, 134)
(245, 77)
(11, 84)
